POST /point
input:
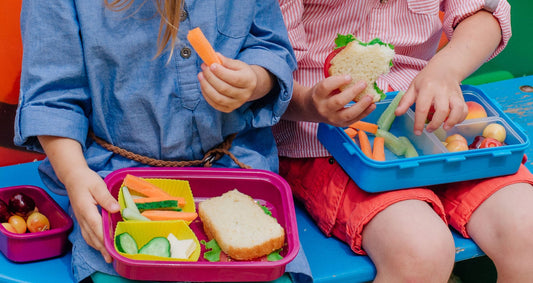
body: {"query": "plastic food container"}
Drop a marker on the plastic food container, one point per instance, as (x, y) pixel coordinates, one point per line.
(268, 188)
(38, 245)
(435, 164)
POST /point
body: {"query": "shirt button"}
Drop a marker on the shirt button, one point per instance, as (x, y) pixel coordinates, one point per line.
(185, 52)
(183, 15)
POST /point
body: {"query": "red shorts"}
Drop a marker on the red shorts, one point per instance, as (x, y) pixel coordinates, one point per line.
(341, 208)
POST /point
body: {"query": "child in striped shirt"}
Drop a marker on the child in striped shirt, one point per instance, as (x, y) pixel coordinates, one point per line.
(404, 232)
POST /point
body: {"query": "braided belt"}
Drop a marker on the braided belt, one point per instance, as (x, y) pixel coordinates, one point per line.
(211, 156)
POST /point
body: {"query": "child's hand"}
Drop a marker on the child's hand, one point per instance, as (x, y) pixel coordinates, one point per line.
(318, 104)
(86, 189)
(434, 89)
(228, 86)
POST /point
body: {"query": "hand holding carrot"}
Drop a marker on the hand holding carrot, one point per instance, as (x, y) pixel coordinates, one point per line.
(229, 85)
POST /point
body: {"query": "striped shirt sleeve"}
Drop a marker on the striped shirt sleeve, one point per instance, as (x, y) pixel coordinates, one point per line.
(457, 10)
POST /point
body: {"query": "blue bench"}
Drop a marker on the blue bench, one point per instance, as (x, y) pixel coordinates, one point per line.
(330, 259)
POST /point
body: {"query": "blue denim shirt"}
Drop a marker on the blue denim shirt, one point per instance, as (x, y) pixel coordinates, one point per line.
(86, 67)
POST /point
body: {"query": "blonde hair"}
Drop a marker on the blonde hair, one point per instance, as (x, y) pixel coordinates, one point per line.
(170, 11)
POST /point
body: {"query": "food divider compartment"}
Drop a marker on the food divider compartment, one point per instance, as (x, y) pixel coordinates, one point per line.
(469, 129)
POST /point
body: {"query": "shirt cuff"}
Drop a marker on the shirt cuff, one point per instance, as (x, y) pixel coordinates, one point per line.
(35, 121)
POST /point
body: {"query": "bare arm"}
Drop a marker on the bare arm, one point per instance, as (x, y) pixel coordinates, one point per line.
(438, 84)
(86, 189)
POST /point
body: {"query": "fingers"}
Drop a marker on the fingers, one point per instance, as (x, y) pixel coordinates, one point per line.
(407, 100)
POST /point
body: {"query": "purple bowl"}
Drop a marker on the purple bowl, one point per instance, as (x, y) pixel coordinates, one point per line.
(37, 245)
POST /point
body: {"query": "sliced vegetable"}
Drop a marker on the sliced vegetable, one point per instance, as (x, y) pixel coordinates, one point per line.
(128, 200)
(274, 256)
(143, 187)
(364, 126)
(202, 46)
(392, 143)
(350, 132)
(126, 243)
(387, 117)
(158, 246)
(164, 204)
(410, 150)
(181, 202)
(378, 151)
(364, 143)
(130, 214)
(169, 215)
(213, 250)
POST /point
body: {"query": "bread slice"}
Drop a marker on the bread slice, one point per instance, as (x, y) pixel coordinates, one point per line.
(240, 226)
(363, 61)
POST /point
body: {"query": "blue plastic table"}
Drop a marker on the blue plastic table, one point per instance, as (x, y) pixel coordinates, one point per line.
(331, 260)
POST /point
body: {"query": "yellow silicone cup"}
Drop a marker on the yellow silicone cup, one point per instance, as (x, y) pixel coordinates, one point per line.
(174, 187)
(144, 231)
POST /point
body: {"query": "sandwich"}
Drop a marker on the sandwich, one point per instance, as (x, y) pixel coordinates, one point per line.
(362, 61)
(240, 226)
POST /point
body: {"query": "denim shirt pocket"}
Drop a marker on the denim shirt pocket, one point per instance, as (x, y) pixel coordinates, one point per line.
(427, 7)
(235, 21)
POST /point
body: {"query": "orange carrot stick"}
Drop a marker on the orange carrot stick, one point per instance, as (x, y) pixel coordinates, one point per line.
(181, 201)
(364, 143)
(202, 46)
(378, 152)
(143, 187)
(351, 132)
(156, 215)
(365, 126)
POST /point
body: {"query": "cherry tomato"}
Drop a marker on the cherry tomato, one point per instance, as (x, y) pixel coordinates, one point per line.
(490, 142)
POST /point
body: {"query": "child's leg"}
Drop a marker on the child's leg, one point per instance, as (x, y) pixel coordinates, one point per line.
(502, 226)
(404, 236)
(409, 242)
(498, 214)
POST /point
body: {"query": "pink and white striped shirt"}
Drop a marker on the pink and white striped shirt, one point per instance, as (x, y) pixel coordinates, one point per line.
(412, 26)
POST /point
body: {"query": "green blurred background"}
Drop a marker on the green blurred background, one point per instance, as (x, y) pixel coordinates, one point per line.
(516, 60)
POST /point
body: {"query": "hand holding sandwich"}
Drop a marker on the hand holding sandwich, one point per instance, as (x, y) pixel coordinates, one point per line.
(320, 103)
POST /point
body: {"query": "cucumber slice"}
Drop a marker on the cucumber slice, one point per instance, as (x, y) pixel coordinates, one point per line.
(410, 150)
(158, 246)
(126, 243)
(128, 200)
(392, 143)
(164, 204)
(387, 117)
(130, 214)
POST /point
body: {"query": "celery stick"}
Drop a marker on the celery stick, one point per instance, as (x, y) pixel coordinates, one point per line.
(392, 143)
(410, 150)
(387, 117)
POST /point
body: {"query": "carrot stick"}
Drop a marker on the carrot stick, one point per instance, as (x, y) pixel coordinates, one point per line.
(181, 201)
(156, 215)
(143, 187)
(351, 132)
(378, 152)
(364, 143)
(365, 126)
(202, 46)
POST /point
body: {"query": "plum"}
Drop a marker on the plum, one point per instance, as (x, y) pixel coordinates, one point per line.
(21, 204)
(4, 211)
